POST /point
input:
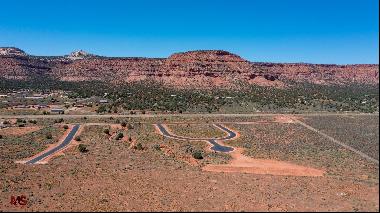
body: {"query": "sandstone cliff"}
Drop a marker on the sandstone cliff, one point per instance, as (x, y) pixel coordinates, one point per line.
(201, 69)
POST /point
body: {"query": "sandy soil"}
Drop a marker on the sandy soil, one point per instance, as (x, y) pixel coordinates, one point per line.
(19, 130)
(183, 158)
(244, 164)
(285, 119)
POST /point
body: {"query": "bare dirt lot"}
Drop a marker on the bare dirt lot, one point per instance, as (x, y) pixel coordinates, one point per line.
(161, 173)
(17, 131)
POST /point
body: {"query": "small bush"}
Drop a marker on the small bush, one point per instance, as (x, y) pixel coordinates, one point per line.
(157, 147)
(21, 125)
(1, 136)
(49, 136)
(143, 112)
(188, 148)
(106, 131)
(130, 139)
(82, 148)
(6, 122)
(139, 146)
(119, 136)
(65, 126)
(33, 121)
(77, 138)
(59, 120)
(130, 126)
(197, 155)
(123, 124)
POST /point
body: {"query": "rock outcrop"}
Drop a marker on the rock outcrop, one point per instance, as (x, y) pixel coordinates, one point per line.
(11, 51)
(80, 54)
(200, 69)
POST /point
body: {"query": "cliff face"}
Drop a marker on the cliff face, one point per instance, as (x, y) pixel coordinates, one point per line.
(201, 69)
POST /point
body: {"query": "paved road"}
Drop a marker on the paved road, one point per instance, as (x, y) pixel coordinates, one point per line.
(181, 115)
(60, 146)
(215, 145)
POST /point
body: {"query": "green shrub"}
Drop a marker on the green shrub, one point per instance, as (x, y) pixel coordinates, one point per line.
(106, 131)
(198, 155)
(33, 121)
(49, 136)
(130, 126)
(59, 120)
(101, 109)
(82, 148)
(139, 146)
(157, 147)
(119, 136)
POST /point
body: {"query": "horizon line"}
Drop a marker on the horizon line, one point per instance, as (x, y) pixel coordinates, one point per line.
(198, 50)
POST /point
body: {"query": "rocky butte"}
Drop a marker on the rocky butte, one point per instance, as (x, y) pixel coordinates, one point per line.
(200, 69)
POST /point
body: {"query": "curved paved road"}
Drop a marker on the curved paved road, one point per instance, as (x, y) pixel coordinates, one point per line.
(60, 146)
(215, 145)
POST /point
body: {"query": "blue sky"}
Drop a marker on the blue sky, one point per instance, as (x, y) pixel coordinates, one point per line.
(313, 31)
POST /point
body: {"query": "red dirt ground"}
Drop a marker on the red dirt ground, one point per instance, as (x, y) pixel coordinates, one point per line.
(17, 131)
(244, 164)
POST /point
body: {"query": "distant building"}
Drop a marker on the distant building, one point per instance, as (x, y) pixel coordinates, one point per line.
(79, 105)
(34, 97)
(40, 106)
(21, 107)
(103, 101)
(3, 96)
(59, 111)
